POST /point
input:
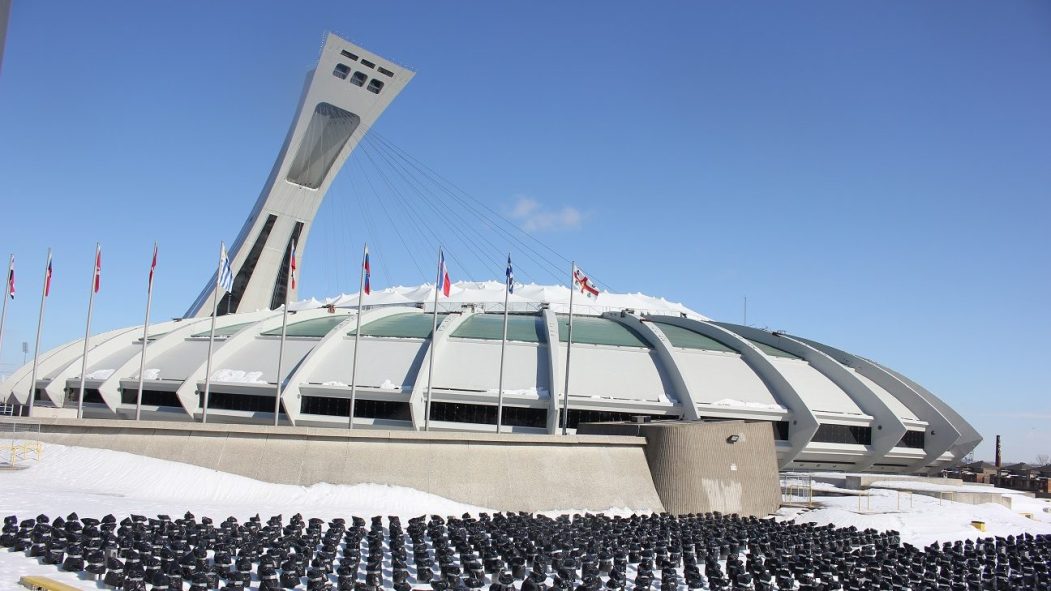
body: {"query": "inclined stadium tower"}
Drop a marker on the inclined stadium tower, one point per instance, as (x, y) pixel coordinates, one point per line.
(632, 354)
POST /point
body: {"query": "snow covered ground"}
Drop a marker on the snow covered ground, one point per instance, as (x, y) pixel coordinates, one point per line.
(95, 482)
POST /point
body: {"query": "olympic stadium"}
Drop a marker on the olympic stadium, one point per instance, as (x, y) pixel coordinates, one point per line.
(632, 355)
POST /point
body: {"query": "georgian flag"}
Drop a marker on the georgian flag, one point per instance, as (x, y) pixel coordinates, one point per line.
(443, 274)
(580, 280)
(226, 276)
(11, 278)
(368, 272)
(98, 269)
(510, 276)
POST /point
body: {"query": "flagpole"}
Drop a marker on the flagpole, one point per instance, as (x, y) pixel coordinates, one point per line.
(430, 362)
(503, 348)
(7, 296)
(569, 347)
(87, 330)
(145, 337)
(39, 326)
(357, 339)
(284, 330)
(211, 334)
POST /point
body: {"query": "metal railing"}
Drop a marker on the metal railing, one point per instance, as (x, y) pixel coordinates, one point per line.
(797, 490)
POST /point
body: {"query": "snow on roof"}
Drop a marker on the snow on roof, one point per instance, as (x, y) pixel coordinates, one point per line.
(491, 293)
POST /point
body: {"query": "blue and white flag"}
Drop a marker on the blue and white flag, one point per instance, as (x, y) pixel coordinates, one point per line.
(510, 276)
(226, 276)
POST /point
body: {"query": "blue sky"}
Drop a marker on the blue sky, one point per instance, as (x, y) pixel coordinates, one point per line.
(870, 175)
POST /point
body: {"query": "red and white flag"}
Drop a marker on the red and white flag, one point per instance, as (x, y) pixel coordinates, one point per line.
(582, 282)
(442, 281)
(11, 278)
(153, 266)
(292, 266)
(47, 277)
(98, 268)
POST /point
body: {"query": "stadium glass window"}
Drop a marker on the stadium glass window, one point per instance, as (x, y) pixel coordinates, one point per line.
(599, 331)
(350, 55)
(328, 131)
(241, 402)
(912, 439)
(780, 430)
(685, 338)
(149, 397)
(363, 409)
(847, 434)
(386, 72)
(484, 414)
(368, 64)
(520, 327)
(375, 86)
(577, 416)
(358, 79)
(341, 71)
(91, 396)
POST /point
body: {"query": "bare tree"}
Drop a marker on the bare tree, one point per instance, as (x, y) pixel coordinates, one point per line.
(1042, 459)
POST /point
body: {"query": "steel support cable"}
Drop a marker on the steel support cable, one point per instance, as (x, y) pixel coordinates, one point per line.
(378, 246)
(444, 183)
(396, 227)
(421, 226)
(488, 249)
(554, 269)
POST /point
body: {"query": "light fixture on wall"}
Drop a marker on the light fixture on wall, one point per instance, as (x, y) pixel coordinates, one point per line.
(733, 438)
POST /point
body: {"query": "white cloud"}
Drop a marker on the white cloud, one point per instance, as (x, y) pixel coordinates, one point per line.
(535, 217)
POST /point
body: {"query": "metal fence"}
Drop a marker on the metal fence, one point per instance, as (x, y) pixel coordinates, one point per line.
(15, 449)
(797, 490)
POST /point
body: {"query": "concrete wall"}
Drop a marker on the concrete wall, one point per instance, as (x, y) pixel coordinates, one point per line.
(696, 469)
(502, 472)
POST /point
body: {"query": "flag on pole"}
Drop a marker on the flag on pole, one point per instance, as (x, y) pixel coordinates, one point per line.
(368, 273)
(510, 276)
(226, 276)
(153, 265)
(292, 265)
(580, 280)
(47, 277)
(11, 278)
(98, 268)
(443, 274)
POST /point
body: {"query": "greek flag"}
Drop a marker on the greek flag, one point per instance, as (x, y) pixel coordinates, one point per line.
(510, 276)
(226, 276)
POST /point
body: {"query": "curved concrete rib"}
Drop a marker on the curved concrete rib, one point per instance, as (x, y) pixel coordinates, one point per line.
(17, 386)
(418, 398)
(888, 428)
(969, 437)
(291, 394)
(667, 356)
(56, 388)
(804, 424)
(187, 392)
(110, 388)
(941, 434)
(557, 388)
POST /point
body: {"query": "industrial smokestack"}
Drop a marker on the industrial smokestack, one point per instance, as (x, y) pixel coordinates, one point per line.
(998, 458)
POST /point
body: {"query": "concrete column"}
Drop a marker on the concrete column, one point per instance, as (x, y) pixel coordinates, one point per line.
(669, 359)
(940, 435)
(418, 398)
(803, 423)
(887, 428)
